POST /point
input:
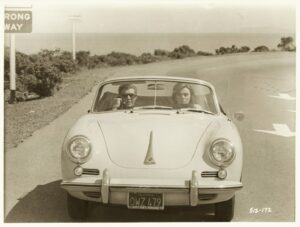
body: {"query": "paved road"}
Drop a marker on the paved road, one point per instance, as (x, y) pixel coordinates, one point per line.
(243, 83)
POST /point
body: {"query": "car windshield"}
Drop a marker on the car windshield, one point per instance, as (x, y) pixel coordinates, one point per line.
(155, 94)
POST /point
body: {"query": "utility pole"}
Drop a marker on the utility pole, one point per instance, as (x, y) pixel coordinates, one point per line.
(74, 19)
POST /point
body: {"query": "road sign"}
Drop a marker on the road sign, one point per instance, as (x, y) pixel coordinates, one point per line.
(18, 21)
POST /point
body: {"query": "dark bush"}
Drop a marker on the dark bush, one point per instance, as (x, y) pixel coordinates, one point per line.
(82, 58)
(244, 49)
(44, 80)
(221, 51)
(23, 82)
(66, 55)
(34, 57)
(65, 65)
(118, 58)
(113, 61)
(203, 53)
(234, 49)
(231, 50)
(93, 62)
(22, 62)
(48, 55)
(159, 52)
(287, 44)
(146, 58)
(182, 52)
(261, 49)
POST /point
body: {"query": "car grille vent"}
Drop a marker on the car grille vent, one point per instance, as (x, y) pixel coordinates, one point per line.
(92, 194)
(207, 196)
(209, 174)
(91, 171)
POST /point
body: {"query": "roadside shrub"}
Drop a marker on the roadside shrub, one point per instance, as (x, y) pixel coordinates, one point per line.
(82, 58)
(34, 57)
(96, 62)
(22, 62)
(244, 49)
(118, 58)
(287, 44)
(66, 55)
(233, 49)
(223, 50)
(146, 58)
(44, 79)
(182, 52)
(159, 52)
(261, 49)
(93, 62)
(65, 65)
(113, 61)
(203, 53)
(22, 82)
(48, 55)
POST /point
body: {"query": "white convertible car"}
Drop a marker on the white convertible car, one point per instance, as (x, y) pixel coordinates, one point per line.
(153, 142)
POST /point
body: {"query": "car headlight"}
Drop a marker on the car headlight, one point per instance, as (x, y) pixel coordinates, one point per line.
(222, 152)
(79, 148)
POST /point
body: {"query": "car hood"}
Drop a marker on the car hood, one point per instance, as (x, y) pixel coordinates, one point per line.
(152, 140)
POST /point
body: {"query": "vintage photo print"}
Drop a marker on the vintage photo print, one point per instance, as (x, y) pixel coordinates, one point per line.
(149, 111)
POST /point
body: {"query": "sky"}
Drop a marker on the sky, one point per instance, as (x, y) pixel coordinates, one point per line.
(164, 16)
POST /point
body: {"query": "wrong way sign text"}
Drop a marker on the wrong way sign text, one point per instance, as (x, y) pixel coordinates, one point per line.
(18, 21)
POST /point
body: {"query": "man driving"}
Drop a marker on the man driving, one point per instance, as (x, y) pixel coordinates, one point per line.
(127, 97)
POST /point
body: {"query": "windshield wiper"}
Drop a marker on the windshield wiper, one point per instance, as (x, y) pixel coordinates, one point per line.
(195, 110)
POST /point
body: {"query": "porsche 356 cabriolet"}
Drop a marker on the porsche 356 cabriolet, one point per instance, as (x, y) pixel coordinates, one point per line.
(153, 142)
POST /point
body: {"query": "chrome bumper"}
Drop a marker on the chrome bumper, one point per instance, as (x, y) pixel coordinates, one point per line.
(191, 192)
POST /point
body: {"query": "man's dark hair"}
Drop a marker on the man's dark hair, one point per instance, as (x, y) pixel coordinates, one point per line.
(126, 87)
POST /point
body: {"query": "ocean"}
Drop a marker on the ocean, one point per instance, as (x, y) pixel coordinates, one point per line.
(140, 43)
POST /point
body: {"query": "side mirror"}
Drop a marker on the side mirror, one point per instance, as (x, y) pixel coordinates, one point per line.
(239, 116)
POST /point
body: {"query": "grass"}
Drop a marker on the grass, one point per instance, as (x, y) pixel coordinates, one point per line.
(23, 118)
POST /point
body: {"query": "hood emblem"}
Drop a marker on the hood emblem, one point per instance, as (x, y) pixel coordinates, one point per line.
(149, 160)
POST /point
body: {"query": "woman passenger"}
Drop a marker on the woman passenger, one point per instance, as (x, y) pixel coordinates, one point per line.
(183, 96)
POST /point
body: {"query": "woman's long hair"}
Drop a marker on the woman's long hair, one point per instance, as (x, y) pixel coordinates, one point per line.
(178, 87)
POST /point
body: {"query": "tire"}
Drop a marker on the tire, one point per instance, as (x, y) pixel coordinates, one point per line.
(224, 211)
(77, 208)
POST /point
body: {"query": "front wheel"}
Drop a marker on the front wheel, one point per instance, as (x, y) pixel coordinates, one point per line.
(77, 208)
(224, 211)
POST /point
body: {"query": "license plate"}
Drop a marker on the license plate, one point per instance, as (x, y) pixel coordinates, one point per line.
(145, 201)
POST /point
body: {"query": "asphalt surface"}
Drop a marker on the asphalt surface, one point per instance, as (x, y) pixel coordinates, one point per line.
(244, 83)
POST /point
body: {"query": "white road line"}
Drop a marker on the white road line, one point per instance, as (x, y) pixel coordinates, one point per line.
(284, 96)
(280, 130)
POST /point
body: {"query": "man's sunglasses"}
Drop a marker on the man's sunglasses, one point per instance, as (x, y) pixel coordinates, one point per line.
(130, 95)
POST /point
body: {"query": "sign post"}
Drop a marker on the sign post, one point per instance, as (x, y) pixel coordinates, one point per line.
(12, 64)
(16, 21)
